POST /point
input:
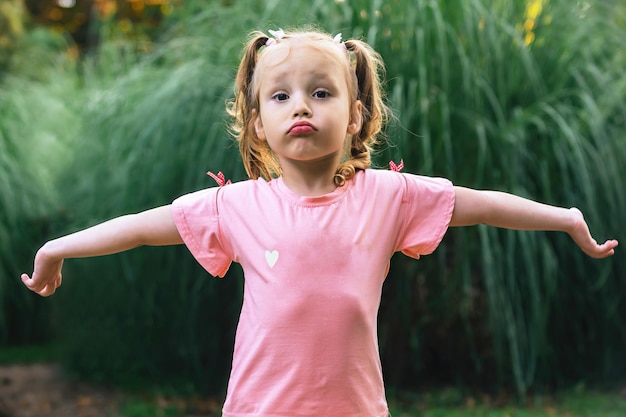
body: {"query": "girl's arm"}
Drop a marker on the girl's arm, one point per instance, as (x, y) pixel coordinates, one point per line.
(152, 227)
(512, 212)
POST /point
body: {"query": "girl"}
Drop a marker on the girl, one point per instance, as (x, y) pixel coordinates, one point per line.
(314, 229)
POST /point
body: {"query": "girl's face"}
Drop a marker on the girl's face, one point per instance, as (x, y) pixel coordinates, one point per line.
(305, 109)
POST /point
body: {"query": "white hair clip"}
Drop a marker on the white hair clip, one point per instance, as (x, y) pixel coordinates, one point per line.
(277, 35)
(337, 40)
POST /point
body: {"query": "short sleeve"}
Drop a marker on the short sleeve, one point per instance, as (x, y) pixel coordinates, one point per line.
(197, 219)
(428, 204)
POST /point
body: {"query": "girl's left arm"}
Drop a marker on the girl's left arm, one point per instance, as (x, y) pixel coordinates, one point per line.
(499, 209)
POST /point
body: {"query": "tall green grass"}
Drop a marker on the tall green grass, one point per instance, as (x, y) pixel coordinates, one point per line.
(545, 120)
(474, 103)
(35, 121)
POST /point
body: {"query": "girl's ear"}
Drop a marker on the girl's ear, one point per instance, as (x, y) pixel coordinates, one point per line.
(356, 118)
(258, 125)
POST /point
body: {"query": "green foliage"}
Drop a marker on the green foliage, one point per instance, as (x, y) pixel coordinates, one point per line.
(142, 409)
(35, 119)
(544, 120)
(26, 354)
(41, 54)
(447, 402)
(11, 29)
(453, 403)
(474, 103)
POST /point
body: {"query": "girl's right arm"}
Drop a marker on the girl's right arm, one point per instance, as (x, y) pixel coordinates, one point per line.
(153, 227)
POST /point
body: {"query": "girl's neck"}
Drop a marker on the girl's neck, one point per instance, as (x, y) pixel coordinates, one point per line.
(309, 181)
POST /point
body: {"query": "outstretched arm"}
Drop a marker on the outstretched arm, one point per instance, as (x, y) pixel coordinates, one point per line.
(512, 212)
(153, 227)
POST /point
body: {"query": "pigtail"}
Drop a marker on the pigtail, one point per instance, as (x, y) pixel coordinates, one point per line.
(368, 70)
(258, 159)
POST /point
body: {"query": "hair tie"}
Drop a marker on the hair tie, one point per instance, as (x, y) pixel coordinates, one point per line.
(396, 167)
(219, 178)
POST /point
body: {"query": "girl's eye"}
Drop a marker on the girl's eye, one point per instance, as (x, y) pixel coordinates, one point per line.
(321, 94)
(280, 96)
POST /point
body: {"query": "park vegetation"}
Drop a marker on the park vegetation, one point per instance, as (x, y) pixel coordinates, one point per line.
(527, 97)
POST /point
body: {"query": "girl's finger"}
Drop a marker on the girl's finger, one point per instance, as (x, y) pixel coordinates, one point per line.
(47, 291)
(31, 284)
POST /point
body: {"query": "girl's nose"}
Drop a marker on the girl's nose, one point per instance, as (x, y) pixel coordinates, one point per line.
(301, 107)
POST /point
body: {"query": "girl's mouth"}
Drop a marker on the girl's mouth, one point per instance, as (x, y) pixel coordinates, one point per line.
(300, 128)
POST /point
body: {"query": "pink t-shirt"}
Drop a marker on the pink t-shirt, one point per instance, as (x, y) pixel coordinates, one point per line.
(306, 343)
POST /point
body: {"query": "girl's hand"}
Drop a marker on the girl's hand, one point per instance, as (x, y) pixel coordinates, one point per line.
(46, 276)
(154, 227)
(581, 235)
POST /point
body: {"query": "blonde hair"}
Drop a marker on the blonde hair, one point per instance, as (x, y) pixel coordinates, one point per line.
(365, 73)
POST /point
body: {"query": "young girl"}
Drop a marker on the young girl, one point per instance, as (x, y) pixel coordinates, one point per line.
(314, 229)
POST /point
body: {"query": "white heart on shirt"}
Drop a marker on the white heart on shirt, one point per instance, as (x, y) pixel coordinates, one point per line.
(271, 257)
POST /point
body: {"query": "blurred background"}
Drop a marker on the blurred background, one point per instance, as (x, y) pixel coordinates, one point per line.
(113, 106)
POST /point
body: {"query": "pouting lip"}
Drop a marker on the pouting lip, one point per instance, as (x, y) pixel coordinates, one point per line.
(301, 123)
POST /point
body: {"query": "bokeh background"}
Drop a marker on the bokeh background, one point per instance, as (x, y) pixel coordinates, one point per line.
(109, 107)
